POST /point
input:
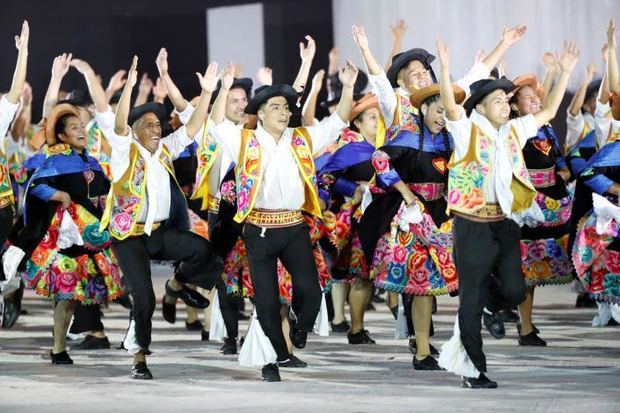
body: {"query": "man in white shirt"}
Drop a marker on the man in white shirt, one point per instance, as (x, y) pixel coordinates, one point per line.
(487, 154)
(275, 181)
(151, 222)
(580, 113)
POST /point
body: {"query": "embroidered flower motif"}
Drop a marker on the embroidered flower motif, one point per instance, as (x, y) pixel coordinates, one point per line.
(121, 222)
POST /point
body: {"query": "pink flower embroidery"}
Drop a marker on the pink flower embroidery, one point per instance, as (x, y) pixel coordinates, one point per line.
(122, 222)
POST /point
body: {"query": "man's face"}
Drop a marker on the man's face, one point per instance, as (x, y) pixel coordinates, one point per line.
(236, 102)
(148, 131)
(275, 114)
(495, 107)
(414, 76)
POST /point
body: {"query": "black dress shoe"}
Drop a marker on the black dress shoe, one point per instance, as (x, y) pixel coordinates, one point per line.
(195, 326)
(298, 337)
(508, 316)
(482, 382)
(140, 371)
(169, 311)
(61, 358)
(204, 336)
(534, 328)
(494, 325)
(531, 339)
(91, 342)
(229, 347)
(292, 362)
(270, 372)
(190, 297)
(427, 363)
(361, 337)
(413, 347)
(340, 327)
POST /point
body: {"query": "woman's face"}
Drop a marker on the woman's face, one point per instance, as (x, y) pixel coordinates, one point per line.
(366, 123)
(74, 133)
(434, 116)
(527, 101)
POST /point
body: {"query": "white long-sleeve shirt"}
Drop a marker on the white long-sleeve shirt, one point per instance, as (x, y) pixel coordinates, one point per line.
(7, 113)
(575, 126)
(606, 126)
(282, 185)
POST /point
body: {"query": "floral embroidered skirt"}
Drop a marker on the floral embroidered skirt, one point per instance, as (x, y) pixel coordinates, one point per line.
(418, 261)
(237, 270)
(91, 278)
(597, 259)
(544, 249)
(198, 225)
(349, 261)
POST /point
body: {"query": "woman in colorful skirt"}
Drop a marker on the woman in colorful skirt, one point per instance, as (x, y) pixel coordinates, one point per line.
(346, 175)
(543, 244)
(68, 258)
(405, 231)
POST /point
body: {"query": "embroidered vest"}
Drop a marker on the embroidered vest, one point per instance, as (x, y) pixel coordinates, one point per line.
(206, 153)
(468, 175)
(126, 196)
(403, 117)
(6, 191)
(249, 173)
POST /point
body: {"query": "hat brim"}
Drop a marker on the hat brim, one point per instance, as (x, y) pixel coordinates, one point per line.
(361, 105)
(50, 123)
(262, 95)
(419, 96)
(151, 107)
(490, 87)
(403, 59)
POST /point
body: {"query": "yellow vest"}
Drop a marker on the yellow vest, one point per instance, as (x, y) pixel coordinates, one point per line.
(6, 191)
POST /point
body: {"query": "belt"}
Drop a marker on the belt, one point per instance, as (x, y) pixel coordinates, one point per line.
(542, 178)
(214, 204)
(274, 218)
(138, 229)
(429, 191)
(488, 213)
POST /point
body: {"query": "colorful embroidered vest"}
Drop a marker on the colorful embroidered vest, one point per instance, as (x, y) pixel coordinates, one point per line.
(126, 197)
(467, 176)
(249, 173)
(403, 117)
(206, 153)
(99, 148)
(6, 191)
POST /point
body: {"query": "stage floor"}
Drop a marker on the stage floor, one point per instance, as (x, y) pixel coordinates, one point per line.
(579, 370)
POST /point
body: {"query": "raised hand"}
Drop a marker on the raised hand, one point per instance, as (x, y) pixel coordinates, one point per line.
(481, 55)
(61, 65)
(605, 52)
(569, 56)
(611, 33)
(162, 61)
(117, 81)
(21, 41)
(442, 52)
(399, 28)
(146, 85)
(228, 76)
(27, 94)
(591, 71)
(359, 35)
(548, 59)
(159, 90)
(334, 55)
(265, 76)
(317, 80)
(208, 81)
(512, 35)
(81, 65)
(132, 76)
(348, 74)
(307, 52)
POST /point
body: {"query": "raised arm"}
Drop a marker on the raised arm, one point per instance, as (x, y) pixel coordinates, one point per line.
(398, 32)
(23, 119)
(94, 87)
(359, 35)
(568, 60)
(174, 93)
(347, 76)
(580, 96)
(122, 110)
(612, 59)
(218, 111)
(509, 37)
(60, 67)
(144, 90)
(264, 75)
(445, 84)
(306, 52)
(19, 76)
(117, 81)
(309, 109)
(552, 71)
(208, 83)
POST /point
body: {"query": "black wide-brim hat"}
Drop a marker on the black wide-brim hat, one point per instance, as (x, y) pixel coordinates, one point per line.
(151, 107)
(244, 83)
(480, 89)
(264, 93)
(401, 60)
(77, 97)
(336, 85)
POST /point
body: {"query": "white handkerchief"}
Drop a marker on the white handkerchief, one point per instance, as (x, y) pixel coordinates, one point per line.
(605, 212)
(68, 234)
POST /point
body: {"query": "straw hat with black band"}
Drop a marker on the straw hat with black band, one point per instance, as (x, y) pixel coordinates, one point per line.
(52, 119)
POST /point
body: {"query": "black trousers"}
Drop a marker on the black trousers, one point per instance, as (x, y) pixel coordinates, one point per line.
(480, 251)
(86, 318)
(6, 223)
(198, 266)
(293, 247)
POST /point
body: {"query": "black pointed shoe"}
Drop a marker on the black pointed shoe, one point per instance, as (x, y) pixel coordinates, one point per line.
(270, 373)
(340, 327)
(428, 363)
(482, 382)
(298, 337)
(91, 342)
(169, 311)
(140, 371)
(293, 362)
(508, 316)
(61, 358)
(536, 330)
(494, 325)
(195, 326)
(361, 337)
(413, 348)
(229, 347)
(190, 297)
(531, 339)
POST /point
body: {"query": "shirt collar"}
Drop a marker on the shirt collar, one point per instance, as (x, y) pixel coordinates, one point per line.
(483, 123)
(146, 154)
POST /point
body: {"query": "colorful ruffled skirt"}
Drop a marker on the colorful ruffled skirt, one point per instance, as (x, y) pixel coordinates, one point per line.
(418, 261)
(545, 258)
(597, 259)
(237, 270)
(349, 262)
(92, 277)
